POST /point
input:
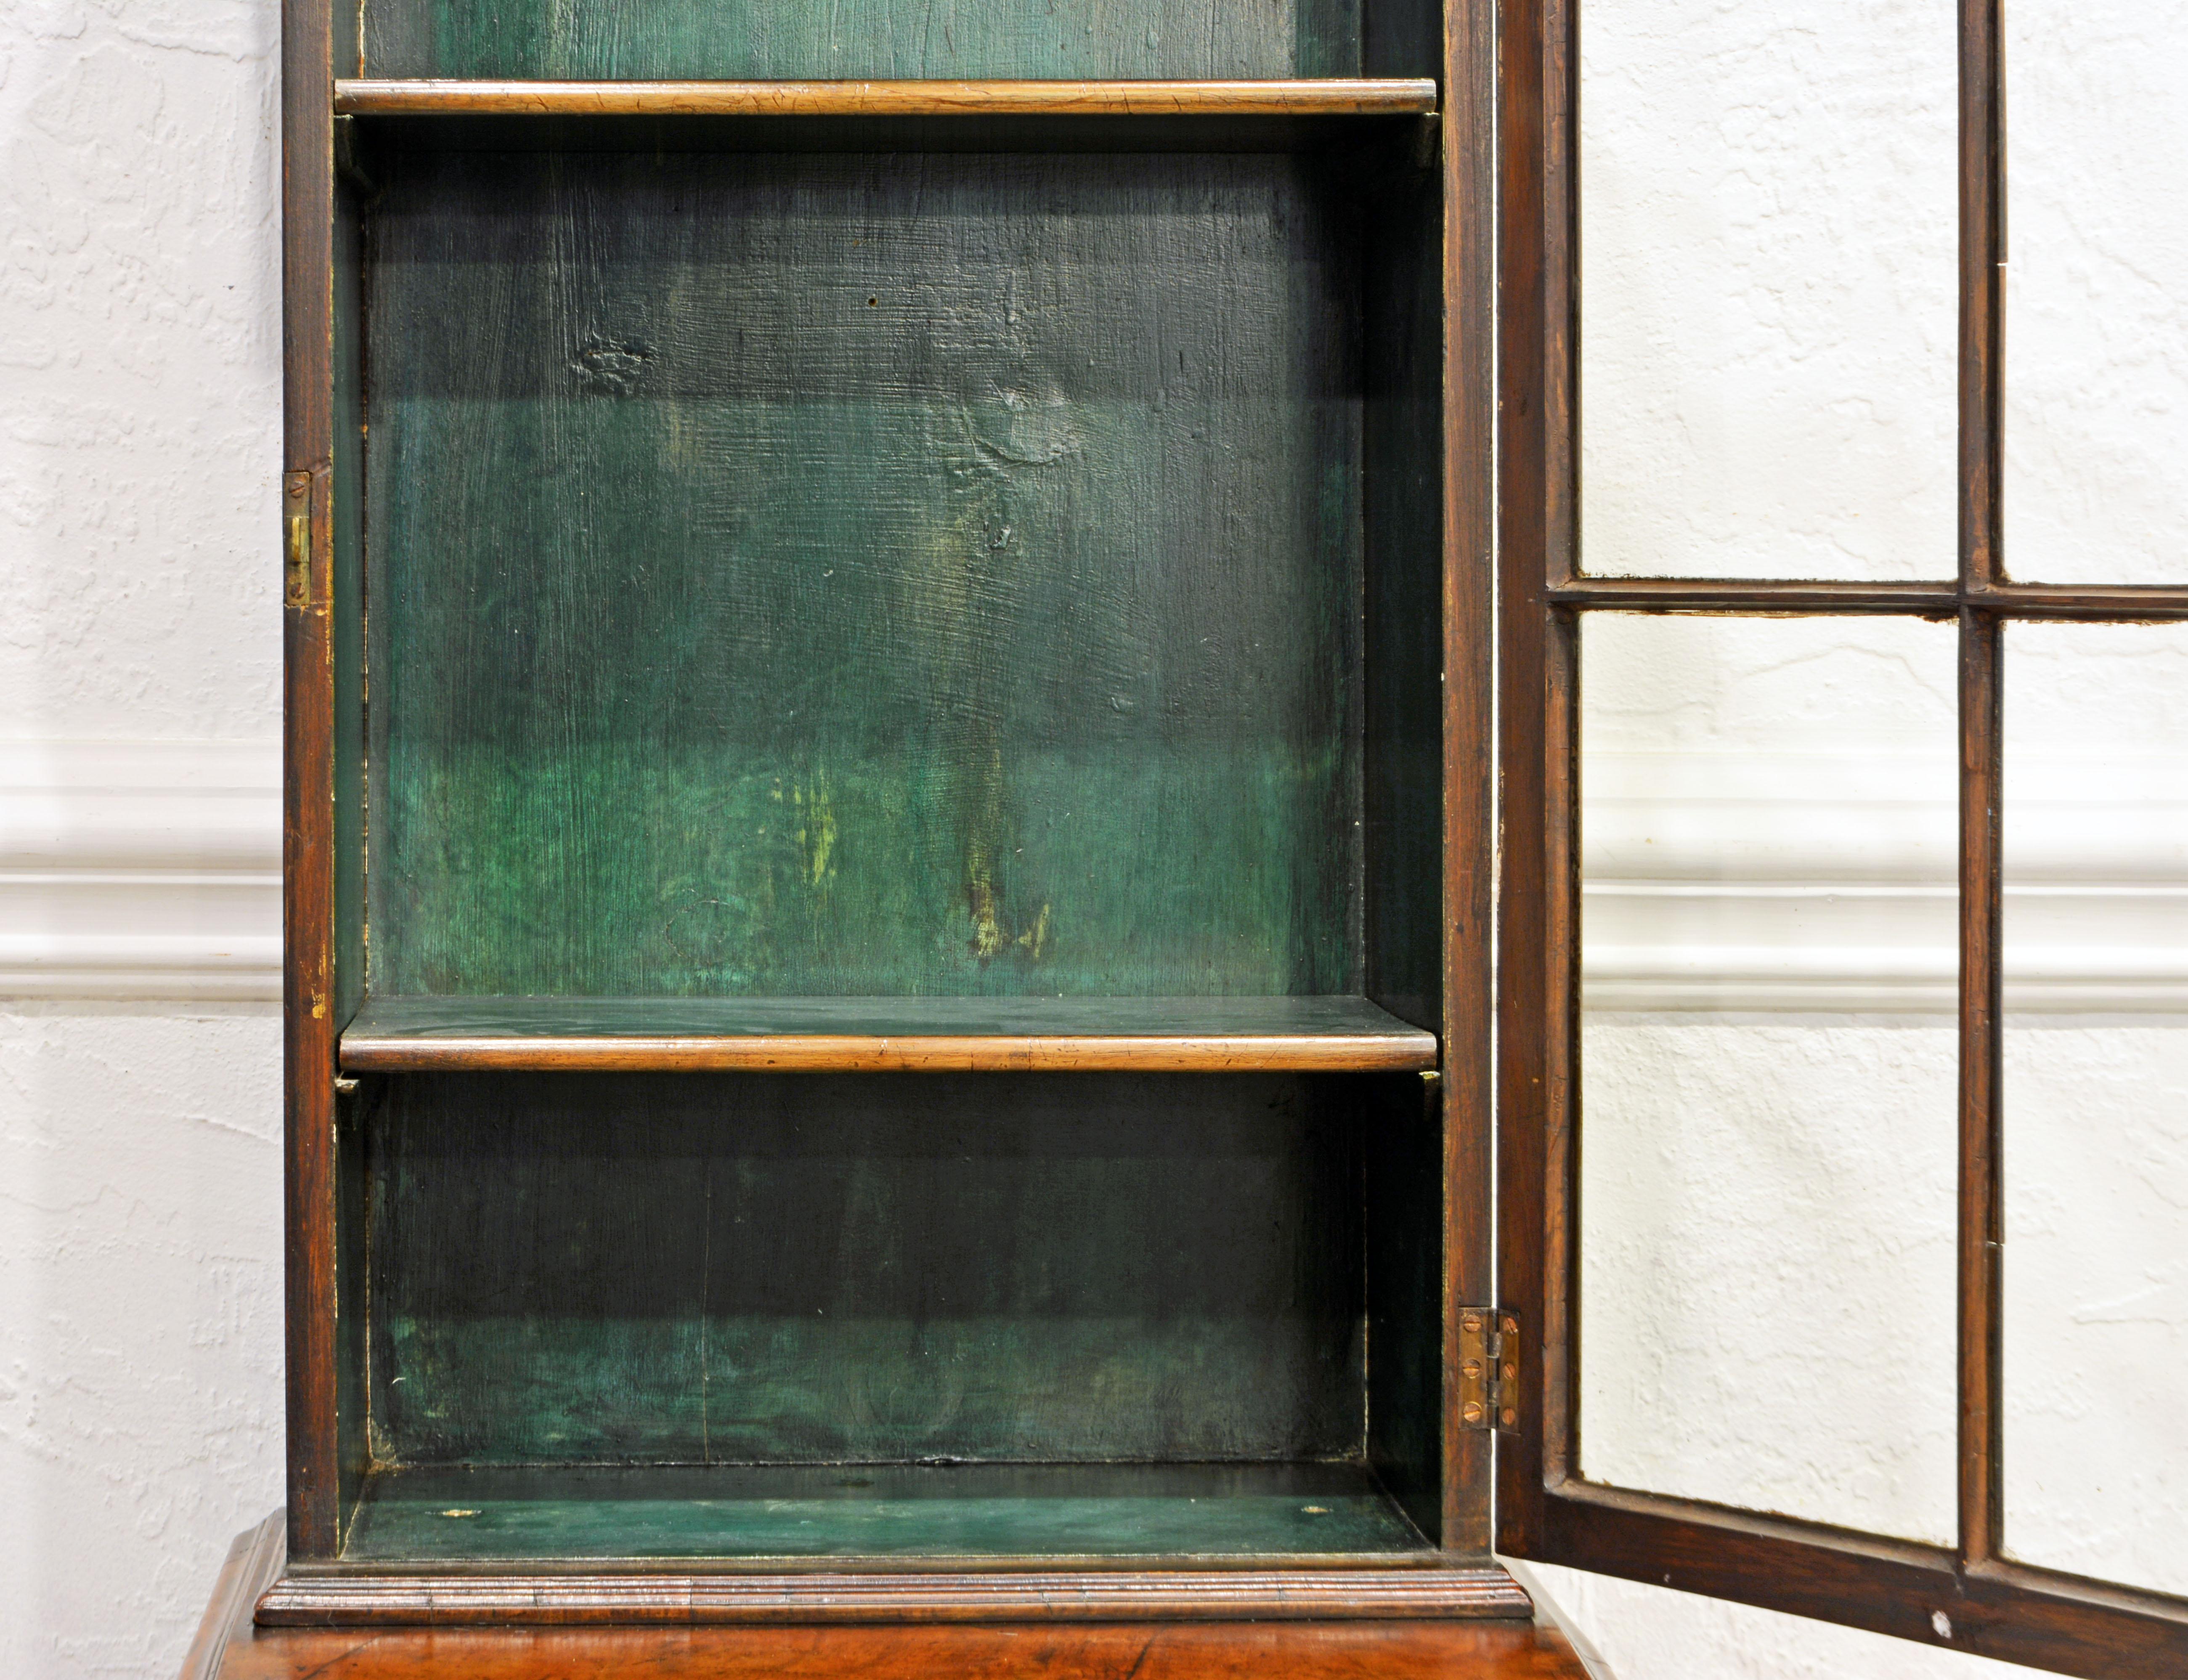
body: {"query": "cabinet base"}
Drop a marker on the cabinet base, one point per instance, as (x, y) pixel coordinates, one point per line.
(331, 1600)
(1427, 1644)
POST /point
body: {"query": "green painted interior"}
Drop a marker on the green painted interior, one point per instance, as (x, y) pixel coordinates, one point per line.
(572, 1268)
(879, 1511)
(640, 39)
(346, 610)
(895, 592)
(866, 574)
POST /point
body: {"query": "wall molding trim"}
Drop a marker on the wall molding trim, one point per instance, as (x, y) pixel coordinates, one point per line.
(140, 869)
(1742, 881)
(1714, 883)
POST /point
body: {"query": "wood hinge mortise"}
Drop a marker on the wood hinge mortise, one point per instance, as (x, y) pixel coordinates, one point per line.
(1488, 1368)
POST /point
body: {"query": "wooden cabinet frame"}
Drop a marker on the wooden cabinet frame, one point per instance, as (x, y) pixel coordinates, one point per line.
(324, 864)
(1969, 1596)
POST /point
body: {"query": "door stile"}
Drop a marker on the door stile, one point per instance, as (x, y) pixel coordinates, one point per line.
(1981, 251)
(1981, 1237)
(1470, 427)
(1527, 349)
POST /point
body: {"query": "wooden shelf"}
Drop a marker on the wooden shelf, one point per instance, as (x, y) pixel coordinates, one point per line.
(871, 1035)
(1355, 96)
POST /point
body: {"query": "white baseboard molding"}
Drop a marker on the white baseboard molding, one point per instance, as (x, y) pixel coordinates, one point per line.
(145, 869)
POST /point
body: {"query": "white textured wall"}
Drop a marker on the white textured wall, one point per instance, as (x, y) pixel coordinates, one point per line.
(140, 1346)
(2096, 388)
(140, 1323)
(1767, 290)
(1767, 1165)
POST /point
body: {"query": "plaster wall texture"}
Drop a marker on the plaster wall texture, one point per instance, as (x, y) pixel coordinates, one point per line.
(140, 1346)
(1767, 287)
(2097, 423)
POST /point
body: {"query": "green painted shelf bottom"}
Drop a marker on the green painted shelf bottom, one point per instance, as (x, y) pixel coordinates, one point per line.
(958, 1511)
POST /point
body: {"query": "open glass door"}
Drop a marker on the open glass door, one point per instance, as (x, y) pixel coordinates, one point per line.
(1843, 981)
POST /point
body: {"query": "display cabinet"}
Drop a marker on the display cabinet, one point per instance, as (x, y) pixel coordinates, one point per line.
(882, 862)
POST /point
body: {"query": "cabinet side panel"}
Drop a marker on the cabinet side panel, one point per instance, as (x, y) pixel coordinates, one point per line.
(879, 574)
(346, 626)
(1403, 501)
(353, 1187)
(1405, 1251)
(641, 39)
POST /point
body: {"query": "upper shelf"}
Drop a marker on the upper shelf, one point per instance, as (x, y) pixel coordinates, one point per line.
(873, 1034)
(1352, 97)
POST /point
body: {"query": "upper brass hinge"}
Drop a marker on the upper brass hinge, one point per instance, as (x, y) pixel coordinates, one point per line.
(1488, 1368)
(296, 523)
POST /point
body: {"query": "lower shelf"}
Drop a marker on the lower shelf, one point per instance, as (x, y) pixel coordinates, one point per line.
(727, 1514)
(788, 1034)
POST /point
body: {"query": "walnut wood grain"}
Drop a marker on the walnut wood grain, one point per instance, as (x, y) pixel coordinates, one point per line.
(229, 1646)
(1349, 97)
(1218, 1651)
(1468, 1091)
(2109, 602)
(1982, 1143)
(884, 1035)
(308, 48)
(332, 1599)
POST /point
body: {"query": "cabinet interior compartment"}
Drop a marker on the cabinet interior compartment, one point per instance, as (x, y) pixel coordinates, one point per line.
(870, 583)
(745, 1316)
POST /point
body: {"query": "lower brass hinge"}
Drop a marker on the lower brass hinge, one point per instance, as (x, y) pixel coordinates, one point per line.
(1488, 1368)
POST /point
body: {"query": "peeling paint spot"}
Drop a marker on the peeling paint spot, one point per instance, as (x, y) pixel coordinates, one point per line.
(1026, 428)
(816, 833)
(612, 366)
(1035, 937)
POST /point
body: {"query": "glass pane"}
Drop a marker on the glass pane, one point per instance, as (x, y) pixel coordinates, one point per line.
(2096, 1100)
(1768, 1066)
(2096, 382)
(1769, 299)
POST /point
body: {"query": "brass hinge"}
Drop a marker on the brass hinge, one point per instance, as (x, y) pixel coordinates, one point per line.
(296, 508)
(1488, 1368)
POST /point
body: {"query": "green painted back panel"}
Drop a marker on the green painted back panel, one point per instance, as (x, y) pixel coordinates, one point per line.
(865, 574)
(858, 38)
(799, 1269)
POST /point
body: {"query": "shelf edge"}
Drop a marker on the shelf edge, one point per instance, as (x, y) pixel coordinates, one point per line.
(1381, 1052)
(1355, 96)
